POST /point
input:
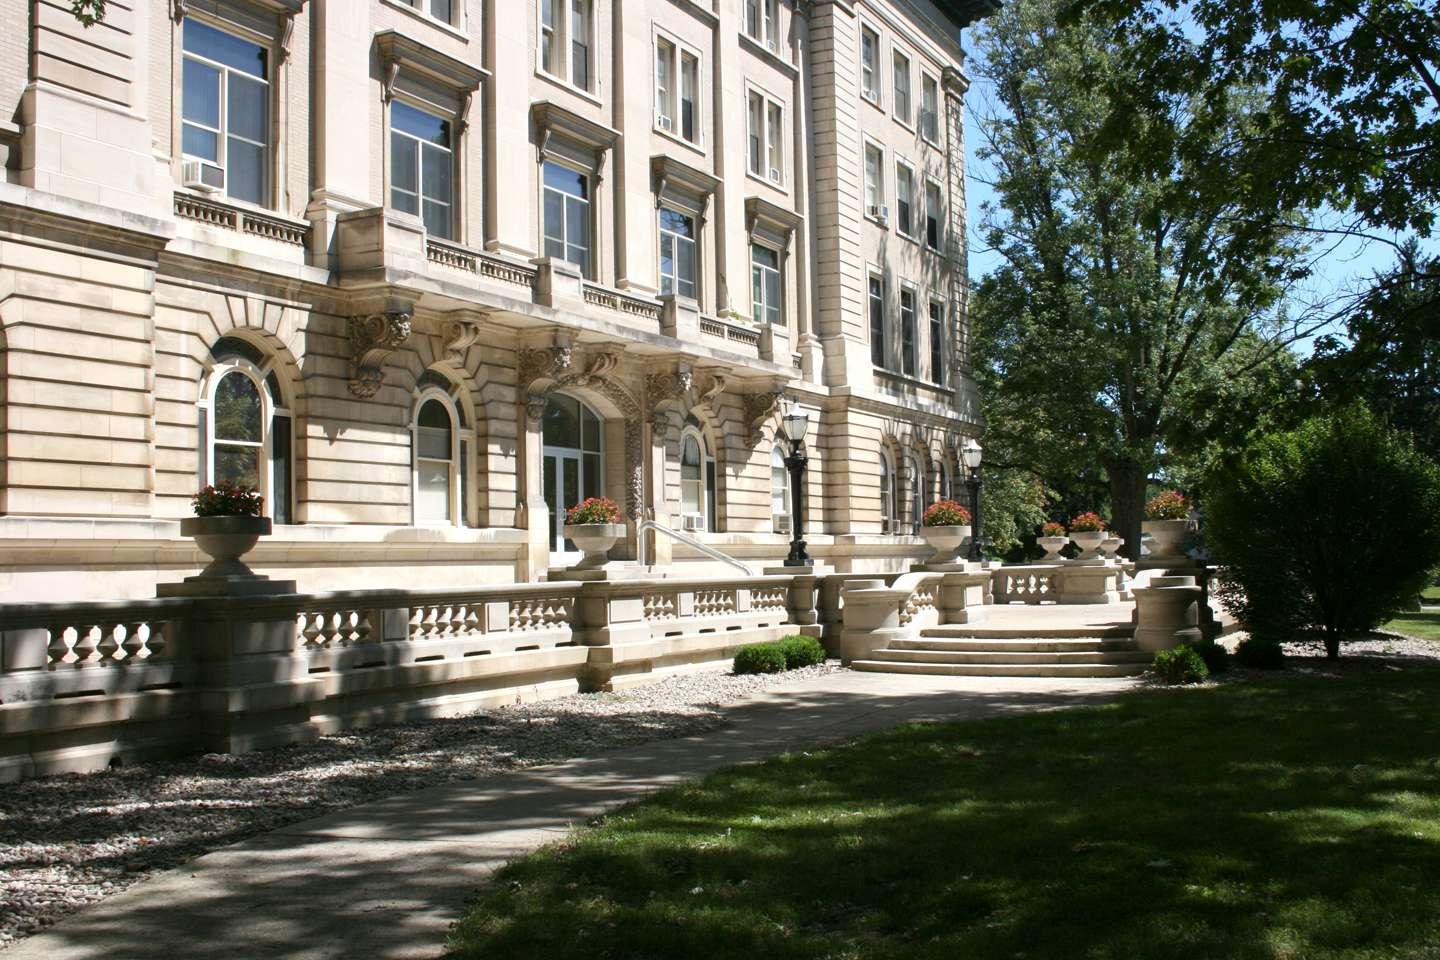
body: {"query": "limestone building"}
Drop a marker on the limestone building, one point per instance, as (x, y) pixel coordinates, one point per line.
(426, 270)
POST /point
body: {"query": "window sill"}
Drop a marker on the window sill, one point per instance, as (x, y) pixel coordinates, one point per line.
(907, 124)
(882, 224)
(567, 85)
(425, 18)
(773, 57)
(932, 143)
(674, 137)
(772, 184)
(873, 101)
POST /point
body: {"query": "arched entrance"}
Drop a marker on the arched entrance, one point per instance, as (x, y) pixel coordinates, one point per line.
(574, 464)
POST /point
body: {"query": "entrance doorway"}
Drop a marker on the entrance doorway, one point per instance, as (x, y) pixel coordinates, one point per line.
(574, 465)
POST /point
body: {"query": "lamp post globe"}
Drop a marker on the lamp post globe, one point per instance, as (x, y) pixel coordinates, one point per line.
(796, 424)
(969, 455)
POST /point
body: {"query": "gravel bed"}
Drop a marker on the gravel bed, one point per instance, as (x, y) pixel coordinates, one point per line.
(69, 841)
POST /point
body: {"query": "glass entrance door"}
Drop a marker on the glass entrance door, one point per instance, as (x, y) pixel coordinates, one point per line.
(573, 466)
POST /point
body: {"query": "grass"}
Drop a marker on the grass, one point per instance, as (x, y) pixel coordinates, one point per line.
(1430, 595)
(1279, 818)
(1424, 624)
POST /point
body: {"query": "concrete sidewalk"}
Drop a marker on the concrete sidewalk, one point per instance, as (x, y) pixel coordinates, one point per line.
(385, 880)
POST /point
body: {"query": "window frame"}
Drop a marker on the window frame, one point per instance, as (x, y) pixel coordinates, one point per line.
(421, 9)
(779, 271)
(909, 332)
(270, 409)
(889, 494)
(925, 131)
(674, 106)
(692, 433)
(772, 148)
(454, 497)
(563, 46)
(782, 471)
(452, 235)
(879, 321)
(937, 344)
(873, 92)
(915, 473)
(269, 44)
(940, 216)
(907, 198)
(660, 234)
(587, 269)
(907, 120)
(881, 197)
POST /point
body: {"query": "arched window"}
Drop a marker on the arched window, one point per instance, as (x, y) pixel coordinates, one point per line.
(889, 522)
(697, 481)
(916, 479)
(437, 460)
(245, 435)
(574, 441)
(779, 491)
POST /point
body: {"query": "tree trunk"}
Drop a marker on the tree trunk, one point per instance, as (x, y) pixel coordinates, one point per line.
(1127, 501)
(1332, 644)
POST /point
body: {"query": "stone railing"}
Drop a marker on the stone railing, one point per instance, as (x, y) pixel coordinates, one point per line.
(216, 213)
(1027, 584)
(731, 332)
(602, 296)
(875, 614)
(1066, 582)
(477, 262)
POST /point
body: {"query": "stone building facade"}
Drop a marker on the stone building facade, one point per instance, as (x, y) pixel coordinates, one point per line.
(424, 270)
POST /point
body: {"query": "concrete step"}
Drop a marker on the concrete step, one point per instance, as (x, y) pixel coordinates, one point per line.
(982, 631)
(1001, 645)
(1004, 669)
(1002, 658)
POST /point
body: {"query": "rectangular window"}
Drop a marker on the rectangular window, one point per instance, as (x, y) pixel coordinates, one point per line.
(225, 108)
(902, 88)
(690, 97)
(439, 9)
(929, 108)
(567, 215)
(907, 332)
(775, 148)
(756, 133)
(874, 180)
(765, 137)
(664, 84)
(904, 198)
(762, 22)
(677, 90)
(937, 342)
(422, 168)
(772, 24)
(565, 40)
(548, 31)
(765, 286)
(877, 322)
(580, 43)
(934, 214)
(753, 28)
(870, 64)
(677, 253)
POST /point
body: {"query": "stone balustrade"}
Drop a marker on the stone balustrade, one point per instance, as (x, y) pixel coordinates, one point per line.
(1068, 582)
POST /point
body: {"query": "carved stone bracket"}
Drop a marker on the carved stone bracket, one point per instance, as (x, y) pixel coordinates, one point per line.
(372, 338)
(460, 336)
(760, 407)
(665, 387)
(711, 393)
(557, 366)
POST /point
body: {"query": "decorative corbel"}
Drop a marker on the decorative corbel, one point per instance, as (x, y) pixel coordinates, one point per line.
(660, 181)
(372, 338)
(287, 35)
(663, 387)
(391, 68)
(178, 9)
(759, 407)
(462, 118)
(543, 145)
(718, 382)
(460, 336)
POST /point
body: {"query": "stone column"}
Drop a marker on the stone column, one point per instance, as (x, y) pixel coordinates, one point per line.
(1167, 613)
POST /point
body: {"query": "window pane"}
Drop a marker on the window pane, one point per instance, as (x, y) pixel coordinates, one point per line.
(433, 502)
(237, 409)
(570, 474)
(222, 47)
(438, 222)
(686, 268)
(676, 222)
(195, 142)
(554, 224)
(280, 460)
(664, 55)
(248, 110)
(757, 110)
(772, 296)
(404, 164)
(577, 231)
(689, 81)
(594, 476)
(667, 263)
(434, 442)
(437, 172)
(237, 465)
(565, 180)
(590, 429)
(440, 10)
(201, 93)
(776, 138)
(765, 256)
(757, 291)
(419, 124)
(245, 171)
(561, 427)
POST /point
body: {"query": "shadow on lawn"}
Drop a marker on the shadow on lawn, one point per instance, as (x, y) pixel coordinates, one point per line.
(1259, 820)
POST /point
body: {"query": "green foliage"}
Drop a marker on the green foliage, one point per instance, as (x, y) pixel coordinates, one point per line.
(594, 510)
(1015, 501)
(1260, 654)
(1180, 665)
(1167, 505)
(945, 513)
(1333, 526)
(1136, 312)
(1087, 522)
(226, 499)
(760, 658)
(88, 12)
(1214, 655)
(801, 651)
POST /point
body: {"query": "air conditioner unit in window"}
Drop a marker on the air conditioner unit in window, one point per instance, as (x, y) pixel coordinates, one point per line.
(782, 524)
(199, 175)
(880, 212)
(665, 123)
(775, 174)
(692, 522)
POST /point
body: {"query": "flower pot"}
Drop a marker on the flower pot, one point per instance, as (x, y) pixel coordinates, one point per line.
(1110, 546)
(1052, 547)
(946, 541)
(225, 540)
(595, 540)
(1089, 543)
(1166, 537)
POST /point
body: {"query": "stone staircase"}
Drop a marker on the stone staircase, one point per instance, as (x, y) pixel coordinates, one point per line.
(1015, 650)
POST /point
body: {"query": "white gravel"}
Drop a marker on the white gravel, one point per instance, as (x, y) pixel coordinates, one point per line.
(69, 841)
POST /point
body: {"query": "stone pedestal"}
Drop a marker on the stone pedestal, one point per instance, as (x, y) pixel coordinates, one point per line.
(871, 618)
(964, 594)
(1087, 583)
(1167, 613)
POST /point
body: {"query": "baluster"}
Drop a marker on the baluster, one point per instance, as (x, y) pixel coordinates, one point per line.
(134, 643)
(58, 650)
(310, 630)
(107, 644)
(364, 630)
(85, 641)
(157, 644)
(427, 625)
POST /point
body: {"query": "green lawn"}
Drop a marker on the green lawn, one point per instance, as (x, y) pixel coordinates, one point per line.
(1430, 595)
(1286, 817)
(1425, 625)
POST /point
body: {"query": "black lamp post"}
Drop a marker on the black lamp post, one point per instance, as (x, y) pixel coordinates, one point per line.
(970, 457)
(796, 423)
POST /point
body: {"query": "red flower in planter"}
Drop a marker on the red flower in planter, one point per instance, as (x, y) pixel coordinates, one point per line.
(593, 510)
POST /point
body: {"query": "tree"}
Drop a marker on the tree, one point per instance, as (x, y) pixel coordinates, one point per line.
(1138, 304)
(1333, 526)
(1392, 360)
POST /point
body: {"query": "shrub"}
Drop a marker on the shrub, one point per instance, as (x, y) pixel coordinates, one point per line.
(1053, 529)
(1331, 527)
(1260, 654)
(594, 510)
(1217, 660)
(760, 658)
(1169, 505)
(1089, 522)
(801, 651)
(226, 499)
(1180, 665)
(946, 513)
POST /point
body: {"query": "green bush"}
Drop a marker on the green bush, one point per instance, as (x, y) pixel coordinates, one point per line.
(1180, 665)
(801, 651)
(1214, 655)
(760, 658)
(1260, 654)
(1331, 528)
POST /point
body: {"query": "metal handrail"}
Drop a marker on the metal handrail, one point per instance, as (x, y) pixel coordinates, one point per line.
(706, 549)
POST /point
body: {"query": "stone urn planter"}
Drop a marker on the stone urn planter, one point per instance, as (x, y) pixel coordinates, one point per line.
(595, 540)
(1052, 547)
(225, 540)
(1089, 543)
(1110, 546)
(1166, 536)
(946, 541)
